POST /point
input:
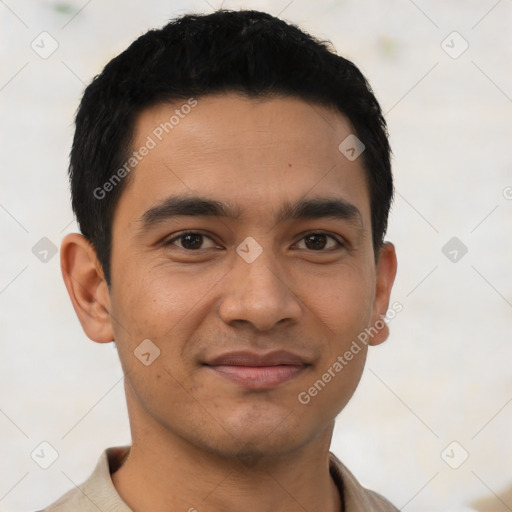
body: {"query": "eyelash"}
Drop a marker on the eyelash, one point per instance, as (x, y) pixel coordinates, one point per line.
(183, 234)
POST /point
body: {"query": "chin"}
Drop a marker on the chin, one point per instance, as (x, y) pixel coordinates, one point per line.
(255, 436)
(253, 450)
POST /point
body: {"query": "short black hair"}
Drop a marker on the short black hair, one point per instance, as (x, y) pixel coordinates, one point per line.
(247, 52)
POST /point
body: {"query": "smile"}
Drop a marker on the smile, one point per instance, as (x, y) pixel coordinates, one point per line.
(257, 371)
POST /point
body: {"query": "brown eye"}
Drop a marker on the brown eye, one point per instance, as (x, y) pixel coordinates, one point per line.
(190, 241)
(320, 241)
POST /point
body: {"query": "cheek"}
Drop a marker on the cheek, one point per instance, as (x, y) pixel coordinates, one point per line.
(152, 301)
(342, 309)
(163, 304)
(342, 300)
(152, 306)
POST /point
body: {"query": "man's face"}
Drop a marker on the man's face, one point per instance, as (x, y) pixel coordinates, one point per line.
(247, 311)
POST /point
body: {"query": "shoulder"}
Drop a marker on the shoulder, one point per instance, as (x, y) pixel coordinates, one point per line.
(72, 500)
(98, 491)
(355, 496)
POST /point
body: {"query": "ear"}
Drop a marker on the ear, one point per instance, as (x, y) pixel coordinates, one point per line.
(385, 277)
(87, 288)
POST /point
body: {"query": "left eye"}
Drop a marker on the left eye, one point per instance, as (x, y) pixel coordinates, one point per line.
(319, 241)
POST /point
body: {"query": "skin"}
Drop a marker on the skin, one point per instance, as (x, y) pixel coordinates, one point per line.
(198, 439)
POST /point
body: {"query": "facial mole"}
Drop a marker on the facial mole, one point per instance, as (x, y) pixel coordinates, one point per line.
(289, 165)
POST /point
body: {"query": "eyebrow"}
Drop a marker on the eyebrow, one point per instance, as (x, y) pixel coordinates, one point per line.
(196, 206)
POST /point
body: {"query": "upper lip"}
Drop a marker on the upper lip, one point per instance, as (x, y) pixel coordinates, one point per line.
(245, 358)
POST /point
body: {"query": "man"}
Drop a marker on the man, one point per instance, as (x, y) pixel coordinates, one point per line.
(231, 179)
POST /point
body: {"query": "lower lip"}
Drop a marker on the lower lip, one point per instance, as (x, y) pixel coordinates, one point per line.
(258, 377)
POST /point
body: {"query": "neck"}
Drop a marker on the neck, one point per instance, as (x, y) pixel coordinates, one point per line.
(164, 472)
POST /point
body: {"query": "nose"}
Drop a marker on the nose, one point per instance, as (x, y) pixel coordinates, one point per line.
(258, 293)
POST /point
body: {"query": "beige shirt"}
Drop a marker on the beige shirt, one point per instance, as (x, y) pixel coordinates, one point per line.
(98, 491)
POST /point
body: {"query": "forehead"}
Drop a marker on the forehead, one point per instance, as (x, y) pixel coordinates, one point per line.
(260, 152)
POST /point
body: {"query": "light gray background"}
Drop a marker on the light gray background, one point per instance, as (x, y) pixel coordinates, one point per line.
(444, 374)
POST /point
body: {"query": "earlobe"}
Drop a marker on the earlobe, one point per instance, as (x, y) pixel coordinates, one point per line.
(88, 291)
(385, 277)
